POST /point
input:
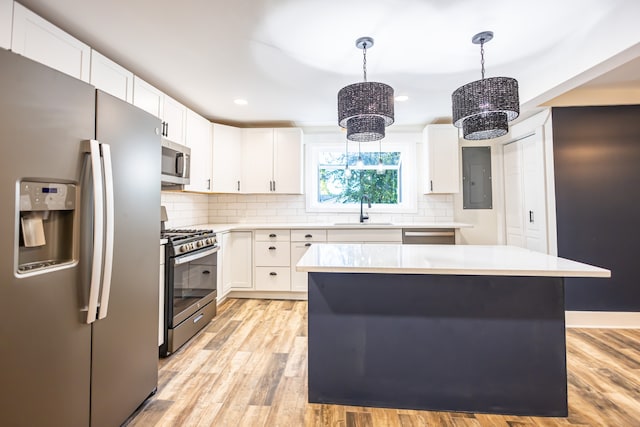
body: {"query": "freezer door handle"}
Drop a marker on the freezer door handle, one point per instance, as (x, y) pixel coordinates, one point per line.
(109, 230)
(98, 226)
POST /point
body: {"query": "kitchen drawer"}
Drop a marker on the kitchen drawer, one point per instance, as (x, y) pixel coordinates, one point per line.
(309, 235)
(273, 279)
(272, 254)
(271, 235)
(366, 235)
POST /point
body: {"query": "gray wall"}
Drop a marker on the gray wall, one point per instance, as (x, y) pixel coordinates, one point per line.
(597, 176)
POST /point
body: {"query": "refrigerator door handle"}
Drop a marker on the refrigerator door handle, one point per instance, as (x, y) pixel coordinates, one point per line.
(98, 226)
(109, 230)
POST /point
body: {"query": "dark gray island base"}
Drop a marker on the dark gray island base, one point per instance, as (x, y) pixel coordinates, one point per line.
(471, 343)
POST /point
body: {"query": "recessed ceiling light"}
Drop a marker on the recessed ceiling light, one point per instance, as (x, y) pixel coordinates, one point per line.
(401, 98)
(240, 101)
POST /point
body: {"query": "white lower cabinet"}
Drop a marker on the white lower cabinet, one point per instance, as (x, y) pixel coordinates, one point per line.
(368, 235)
(300, 242)
(240, 260)
(272, 260)
(273, 278)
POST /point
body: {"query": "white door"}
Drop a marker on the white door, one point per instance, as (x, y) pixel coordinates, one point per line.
(42, 41)
(257, 161)
(513, 195)
(110, 77)
(535, 224)
(227, 159)
(287, 161)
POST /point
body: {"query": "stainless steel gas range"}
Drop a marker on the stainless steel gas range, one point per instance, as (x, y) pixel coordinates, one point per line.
(190, 285)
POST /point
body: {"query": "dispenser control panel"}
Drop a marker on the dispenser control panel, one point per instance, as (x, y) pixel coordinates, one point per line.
(47, 196)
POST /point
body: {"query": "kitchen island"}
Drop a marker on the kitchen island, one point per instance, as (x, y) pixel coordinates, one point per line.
(439, 327)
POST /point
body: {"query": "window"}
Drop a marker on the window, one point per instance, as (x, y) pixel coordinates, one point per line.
(389, 186)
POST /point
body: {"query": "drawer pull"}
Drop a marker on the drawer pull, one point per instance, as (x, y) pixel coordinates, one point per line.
(273, 273)
(307, 244)
(308, 236)
(272, 235)
(198, 317)
(272, 248)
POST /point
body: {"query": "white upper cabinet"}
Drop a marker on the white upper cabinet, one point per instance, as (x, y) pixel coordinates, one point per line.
(272, 161)
(42, 41)
(287, 161)
(227, 159)
(147, 97)
(198, 138)
(257, 161)
(441, 159)
(110, 77)
(171, 112)
(174, 115)
(6, 21)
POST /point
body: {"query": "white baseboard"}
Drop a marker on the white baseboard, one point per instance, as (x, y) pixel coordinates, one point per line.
(602, 319)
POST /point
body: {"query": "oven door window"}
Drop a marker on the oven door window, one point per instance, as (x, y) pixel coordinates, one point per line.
(194, 280)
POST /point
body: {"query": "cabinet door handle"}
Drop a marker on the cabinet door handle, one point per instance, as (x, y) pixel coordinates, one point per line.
(531, 216)
(308, 236)
(431, 185)
(307, 244)
(167, 131)
(238, 185)
(272, 235)
(274, 186)
(272, 248)
(209, 184)
(273, 273)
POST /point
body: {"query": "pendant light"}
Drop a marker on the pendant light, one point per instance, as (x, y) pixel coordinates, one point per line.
(484, 107)
(365, 109)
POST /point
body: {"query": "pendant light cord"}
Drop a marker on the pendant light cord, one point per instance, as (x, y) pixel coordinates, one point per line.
(482, 56)
(364, 62)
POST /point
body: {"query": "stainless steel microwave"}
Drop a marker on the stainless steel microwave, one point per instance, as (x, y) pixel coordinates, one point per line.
(176, 163)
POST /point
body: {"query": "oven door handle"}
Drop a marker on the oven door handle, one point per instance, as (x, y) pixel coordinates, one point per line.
(189, 258)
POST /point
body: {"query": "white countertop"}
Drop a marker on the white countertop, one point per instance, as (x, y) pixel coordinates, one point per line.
(441, 259)
(221, 228)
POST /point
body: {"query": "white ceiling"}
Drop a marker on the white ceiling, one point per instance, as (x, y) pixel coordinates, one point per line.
(289, 58)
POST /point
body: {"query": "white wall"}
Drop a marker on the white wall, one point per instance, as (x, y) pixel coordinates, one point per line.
(486, 229)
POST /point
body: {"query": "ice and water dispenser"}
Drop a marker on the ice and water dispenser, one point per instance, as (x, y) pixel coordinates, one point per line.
(46, 221)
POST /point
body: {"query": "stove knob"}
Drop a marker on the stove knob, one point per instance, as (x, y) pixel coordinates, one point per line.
(182, 248)
(209, 241)
(199, 244)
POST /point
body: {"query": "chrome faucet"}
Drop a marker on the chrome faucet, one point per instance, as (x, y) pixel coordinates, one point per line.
(364, 216)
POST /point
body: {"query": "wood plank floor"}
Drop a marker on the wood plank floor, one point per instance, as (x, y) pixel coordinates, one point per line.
(248, 368)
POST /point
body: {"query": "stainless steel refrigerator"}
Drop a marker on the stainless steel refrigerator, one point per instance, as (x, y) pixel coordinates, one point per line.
(79, 250)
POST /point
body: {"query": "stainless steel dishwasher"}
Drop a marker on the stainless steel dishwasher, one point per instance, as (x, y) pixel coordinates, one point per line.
(428, 236)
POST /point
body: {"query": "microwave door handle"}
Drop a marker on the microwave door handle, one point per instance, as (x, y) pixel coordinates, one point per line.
(179, 164)
(185, 165)
(98, 232)
(109, 231)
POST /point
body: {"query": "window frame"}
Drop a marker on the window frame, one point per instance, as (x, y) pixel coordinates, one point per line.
(407, 175)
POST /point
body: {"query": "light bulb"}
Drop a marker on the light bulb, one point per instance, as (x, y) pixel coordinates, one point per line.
(380, 170)
(347, 172)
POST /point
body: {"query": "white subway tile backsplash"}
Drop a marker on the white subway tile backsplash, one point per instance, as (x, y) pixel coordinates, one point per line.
(185, 209)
